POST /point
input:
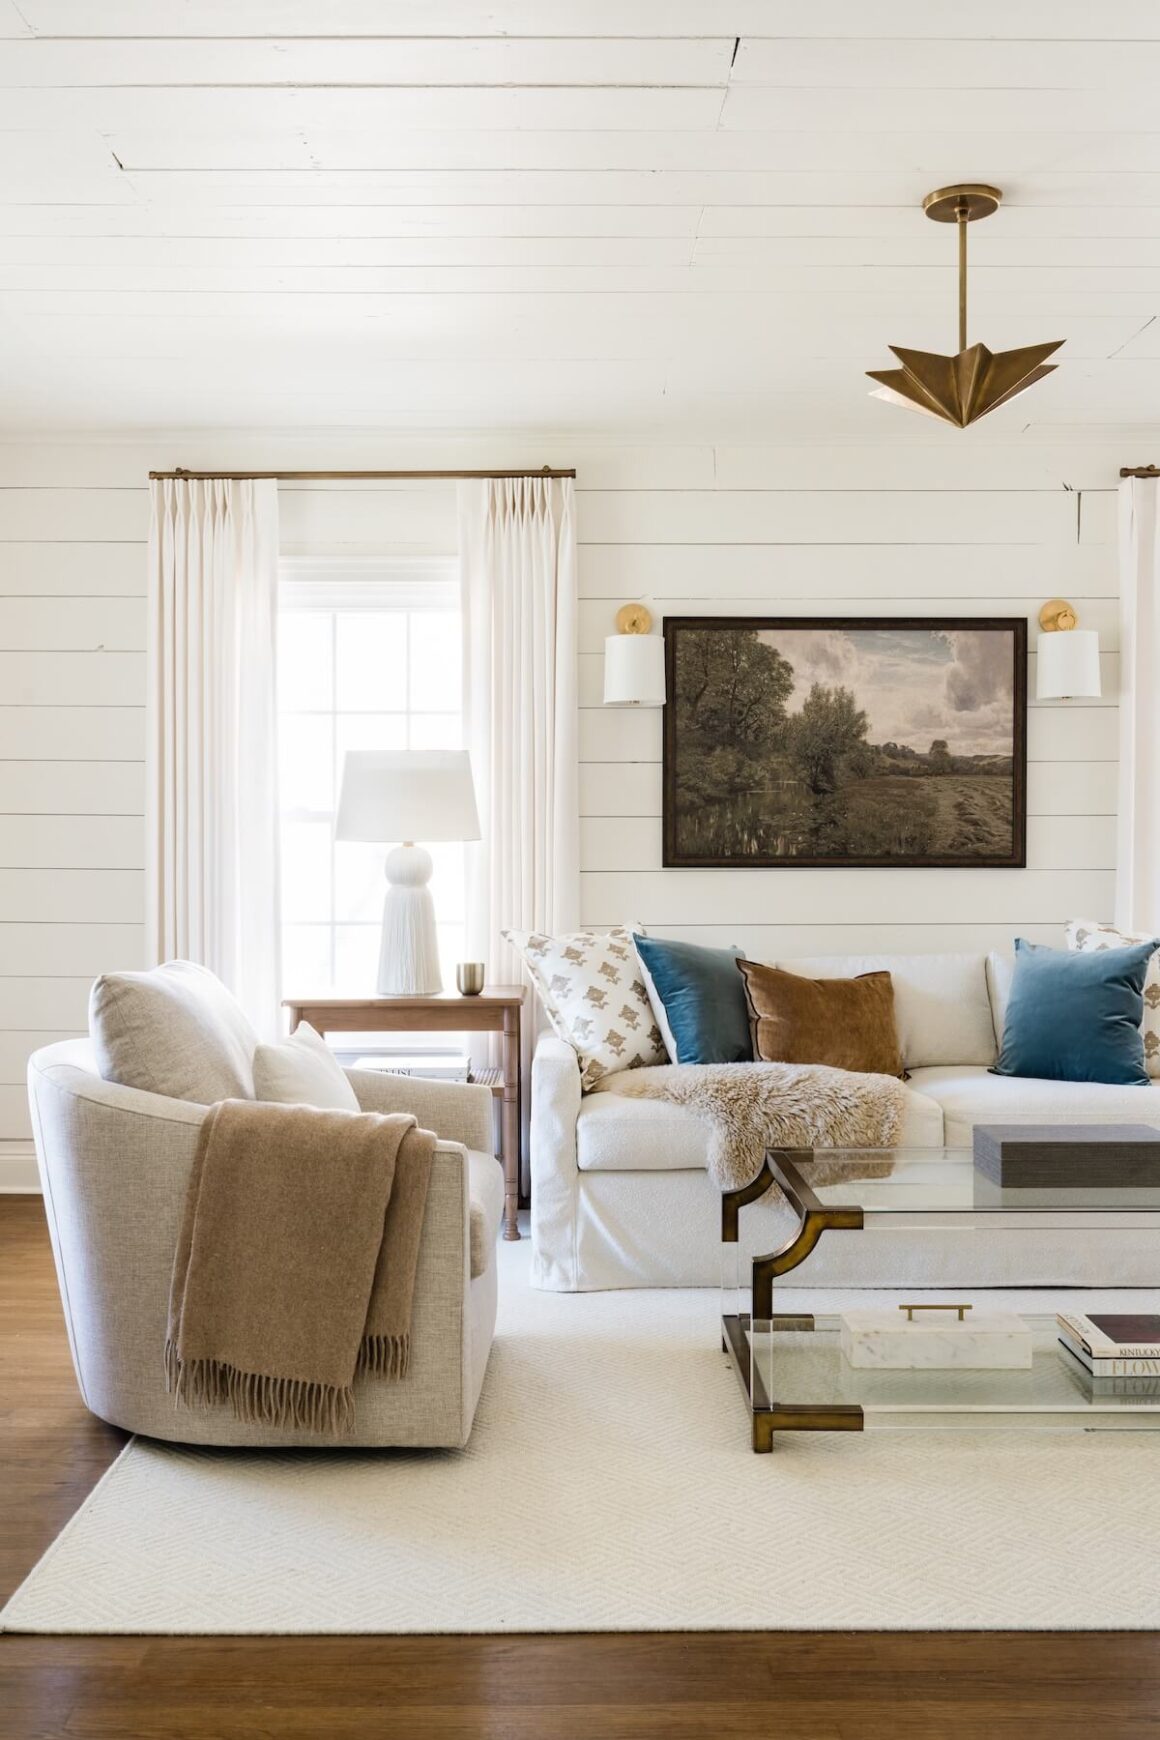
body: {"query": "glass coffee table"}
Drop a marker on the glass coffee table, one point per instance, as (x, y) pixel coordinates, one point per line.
(793, 1373)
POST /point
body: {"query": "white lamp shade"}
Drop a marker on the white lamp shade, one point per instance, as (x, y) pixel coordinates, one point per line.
(1069, 664)
(634, 670)
(407, 794)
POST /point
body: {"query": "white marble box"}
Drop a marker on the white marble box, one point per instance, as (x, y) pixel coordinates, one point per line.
(890, 1341)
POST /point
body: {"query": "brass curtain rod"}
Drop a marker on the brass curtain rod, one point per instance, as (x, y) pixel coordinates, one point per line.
(1139, 471)
(336, 476)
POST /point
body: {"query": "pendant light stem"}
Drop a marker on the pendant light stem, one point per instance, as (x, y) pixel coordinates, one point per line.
(961, 210)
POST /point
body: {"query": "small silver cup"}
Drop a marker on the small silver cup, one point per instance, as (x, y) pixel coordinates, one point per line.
(469, 978)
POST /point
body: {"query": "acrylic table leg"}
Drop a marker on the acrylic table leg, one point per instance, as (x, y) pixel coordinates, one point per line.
(510, 1123)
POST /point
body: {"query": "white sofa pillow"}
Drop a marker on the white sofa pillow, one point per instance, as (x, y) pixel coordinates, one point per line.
(303, 1071)
(1085, 935)
(1000, 972)
(594, 996)
(941, 1005)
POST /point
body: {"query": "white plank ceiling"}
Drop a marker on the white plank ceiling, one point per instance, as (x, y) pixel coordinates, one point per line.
(665, 216)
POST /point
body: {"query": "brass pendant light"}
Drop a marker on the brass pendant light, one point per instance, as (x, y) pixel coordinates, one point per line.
(961, 389)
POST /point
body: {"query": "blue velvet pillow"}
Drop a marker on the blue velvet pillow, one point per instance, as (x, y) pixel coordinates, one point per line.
(703, 997)
(1076, 1017)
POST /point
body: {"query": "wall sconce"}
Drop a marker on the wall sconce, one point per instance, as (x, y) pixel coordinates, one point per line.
(634, 661)
(1068, 656)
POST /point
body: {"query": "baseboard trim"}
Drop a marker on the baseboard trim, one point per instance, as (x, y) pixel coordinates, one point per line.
(18, 1174)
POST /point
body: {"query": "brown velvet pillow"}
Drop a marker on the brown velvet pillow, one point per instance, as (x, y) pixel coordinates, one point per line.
(846, 1023)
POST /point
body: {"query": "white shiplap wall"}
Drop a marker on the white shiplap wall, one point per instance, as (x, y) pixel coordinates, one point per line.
(944, 525)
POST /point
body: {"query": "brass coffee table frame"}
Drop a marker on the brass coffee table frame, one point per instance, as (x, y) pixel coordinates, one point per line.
(764, 1361)
(814, 1218)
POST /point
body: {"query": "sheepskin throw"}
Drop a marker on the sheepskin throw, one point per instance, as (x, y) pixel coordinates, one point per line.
(296, 1259)
(749, 1107)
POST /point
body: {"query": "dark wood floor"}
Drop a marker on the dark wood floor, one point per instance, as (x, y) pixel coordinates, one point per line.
(711, 1687)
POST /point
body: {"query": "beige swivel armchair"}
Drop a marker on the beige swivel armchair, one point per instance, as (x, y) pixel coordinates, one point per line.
(114, 1164)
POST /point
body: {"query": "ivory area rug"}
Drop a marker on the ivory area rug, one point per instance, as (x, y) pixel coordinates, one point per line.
(609, 1486)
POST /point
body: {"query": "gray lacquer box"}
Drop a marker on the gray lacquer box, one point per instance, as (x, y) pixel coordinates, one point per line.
(1068, 1156)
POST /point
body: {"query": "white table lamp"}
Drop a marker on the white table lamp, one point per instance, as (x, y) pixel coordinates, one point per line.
(407, 795)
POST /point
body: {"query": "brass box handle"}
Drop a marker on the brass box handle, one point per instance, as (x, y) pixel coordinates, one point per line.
(911, 1309)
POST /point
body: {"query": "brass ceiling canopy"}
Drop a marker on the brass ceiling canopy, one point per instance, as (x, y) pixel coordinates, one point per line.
(960, 389)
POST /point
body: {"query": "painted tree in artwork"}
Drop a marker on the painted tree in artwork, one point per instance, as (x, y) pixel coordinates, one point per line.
(731, 695)
(830, 726)
(732, 689)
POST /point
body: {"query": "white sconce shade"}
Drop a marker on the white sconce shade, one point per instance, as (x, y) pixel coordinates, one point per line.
(1069, 664)
(634, 670)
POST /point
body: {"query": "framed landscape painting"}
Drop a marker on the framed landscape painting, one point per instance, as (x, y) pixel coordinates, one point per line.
(817, 741)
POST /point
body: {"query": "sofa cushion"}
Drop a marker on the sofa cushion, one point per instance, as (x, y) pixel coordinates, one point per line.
(970, 1096)
(700, 991)
(941, 1006)
(174, 1030)
(1000, 972)
(592, 992)
(1087, 937)
(1076, 1016)
(845, 1023)
(614, 1134)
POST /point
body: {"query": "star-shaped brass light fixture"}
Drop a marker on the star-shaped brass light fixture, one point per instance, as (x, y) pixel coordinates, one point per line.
(961, 389)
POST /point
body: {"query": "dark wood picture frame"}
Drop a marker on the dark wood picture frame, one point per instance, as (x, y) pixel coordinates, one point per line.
(678, 855)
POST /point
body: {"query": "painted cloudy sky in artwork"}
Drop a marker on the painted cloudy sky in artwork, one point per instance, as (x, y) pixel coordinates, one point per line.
(914, 684)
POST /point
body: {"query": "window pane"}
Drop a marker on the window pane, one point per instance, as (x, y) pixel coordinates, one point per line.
(306, 759)
(450, 952)
(306, 871)
(447, 882)
(372, 661)
(359, 884)
(435, 659)
(304, 660)
(368, 731)
(435, 731)
(356, 952)
(305, 959)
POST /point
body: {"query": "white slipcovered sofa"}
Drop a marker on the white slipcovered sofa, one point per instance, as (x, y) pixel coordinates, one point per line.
(621, 1197)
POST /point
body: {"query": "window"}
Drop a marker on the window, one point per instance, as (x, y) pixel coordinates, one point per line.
(368, 658)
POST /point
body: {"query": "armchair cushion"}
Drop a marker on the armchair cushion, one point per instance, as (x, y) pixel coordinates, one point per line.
(175, 1031)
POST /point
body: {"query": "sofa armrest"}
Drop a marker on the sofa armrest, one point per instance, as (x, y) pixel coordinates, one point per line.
(555, 1174)
(458, 1111)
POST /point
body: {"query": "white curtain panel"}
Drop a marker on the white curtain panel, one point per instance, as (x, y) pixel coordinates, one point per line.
(517, 551)
(518, 568)
(1138, 853)
(211, 767)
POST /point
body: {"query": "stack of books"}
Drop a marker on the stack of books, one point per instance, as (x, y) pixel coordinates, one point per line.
(438, 1065)
(1116, 1353)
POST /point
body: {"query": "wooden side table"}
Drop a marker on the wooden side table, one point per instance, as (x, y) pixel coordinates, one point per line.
(495, 1010)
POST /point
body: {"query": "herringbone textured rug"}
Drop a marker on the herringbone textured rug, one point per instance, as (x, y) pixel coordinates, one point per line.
(609, 1486)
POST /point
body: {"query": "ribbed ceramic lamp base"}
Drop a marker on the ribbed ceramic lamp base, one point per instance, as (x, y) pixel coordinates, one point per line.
(409, 956)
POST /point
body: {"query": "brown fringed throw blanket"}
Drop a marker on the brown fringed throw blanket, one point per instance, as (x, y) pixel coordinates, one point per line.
(295, 1263)
(749, 1107)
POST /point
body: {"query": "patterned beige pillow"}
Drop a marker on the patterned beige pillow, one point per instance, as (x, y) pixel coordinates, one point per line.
(1084, 934)
(591, 989)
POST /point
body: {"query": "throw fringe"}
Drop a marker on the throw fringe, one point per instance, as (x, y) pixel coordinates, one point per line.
(258, 1399)
(384, 1356)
